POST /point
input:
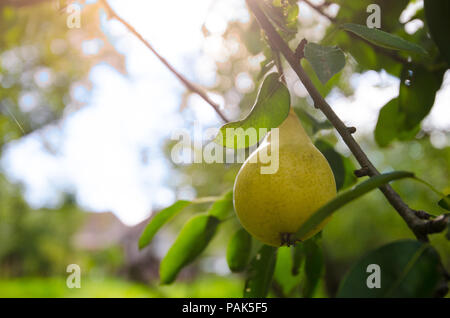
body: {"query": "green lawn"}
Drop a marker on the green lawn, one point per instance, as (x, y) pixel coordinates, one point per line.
(210, 286)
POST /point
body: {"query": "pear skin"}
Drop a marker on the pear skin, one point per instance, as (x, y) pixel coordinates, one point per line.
(270, 206)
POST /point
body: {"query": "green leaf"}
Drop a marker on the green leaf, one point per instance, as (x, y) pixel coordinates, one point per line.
(363, 52)
(276, 14)
(325, 60)
(343, 173)
(447, 236)
(292, 13)
(386, 129)
(266, 66)
(445, 199)
(284, 15)
(298, 255)
(408, 269)
(260, 273)
(356, 12)
(159, 220)
(283, 275)
(347, 196)
(314, 265)
(418, 89)
(350, 178)
(251, 36)
(383, 39)
(194, 237)
(445, 203)
(324, 89)
(391, 125)
(270, 110)
(238, 250)
(311, 123)
(222, 207)
(436, 14)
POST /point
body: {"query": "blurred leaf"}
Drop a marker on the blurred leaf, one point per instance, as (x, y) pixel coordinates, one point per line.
(284, 15)
(268, 62)
(238, 250)
(324, 89)
(165, 215)
(408, 269)
(159, 220)
(437, 13)
(292, 12)
(298, 255)
(363, 52)
(249, 33)
(343, 173)
(445, 203)
(383, 39)
(445, 199)
(386, 129)
(313, 265)
(418, 89)
(222, 207)
(356, 12)
(348, 196)
(350, 178)
(29, 34)
(193, 238)
(266, 66)
(270, 110)
(447, 236)
(312, 123)
(260, 273)
(252, 38)
(277, 17)
(325, 60)
(391, 125)
(283, 275)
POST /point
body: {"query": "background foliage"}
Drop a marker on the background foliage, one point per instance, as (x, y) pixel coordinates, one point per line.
(40, 59)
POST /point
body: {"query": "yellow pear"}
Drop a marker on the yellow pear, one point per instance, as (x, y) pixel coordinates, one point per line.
(273, 206)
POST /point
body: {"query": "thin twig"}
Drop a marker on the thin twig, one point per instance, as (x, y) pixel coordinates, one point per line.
(421, 228)
(320, 11)
(189, 85)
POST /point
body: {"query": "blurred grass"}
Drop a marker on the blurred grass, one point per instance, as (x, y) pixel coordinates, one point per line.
(55, 287)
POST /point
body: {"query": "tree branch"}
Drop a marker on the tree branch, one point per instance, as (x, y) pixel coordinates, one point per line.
(189, 85)
(421, 228)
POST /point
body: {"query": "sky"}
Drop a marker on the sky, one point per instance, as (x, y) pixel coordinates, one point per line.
(127, 118)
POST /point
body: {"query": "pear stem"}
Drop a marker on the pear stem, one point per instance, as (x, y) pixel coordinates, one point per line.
(289, 239)
(420, 227)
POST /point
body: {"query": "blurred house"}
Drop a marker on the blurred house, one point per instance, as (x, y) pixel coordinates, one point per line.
(99, 231)
(104, 230)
